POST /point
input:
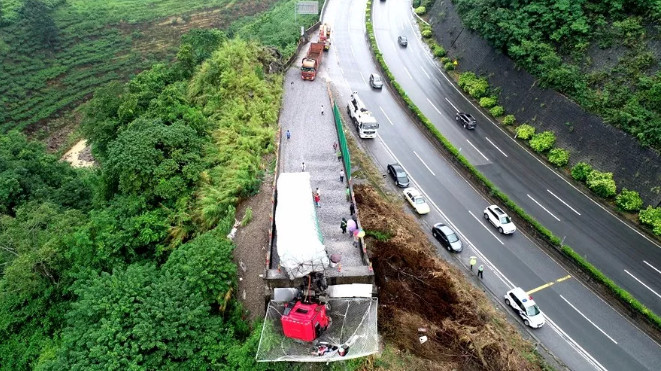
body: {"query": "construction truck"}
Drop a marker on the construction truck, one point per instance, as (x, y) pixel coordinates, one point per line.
(325, 35)
(312, 61)
(362, 118)
(321, 303)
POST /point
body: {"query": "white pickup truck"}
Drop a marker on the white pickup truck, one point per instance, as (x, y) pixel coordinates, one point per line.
(366, 124)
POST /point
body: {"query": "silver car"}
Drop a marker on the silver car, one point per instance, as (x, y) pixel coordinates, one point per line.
(375, 81)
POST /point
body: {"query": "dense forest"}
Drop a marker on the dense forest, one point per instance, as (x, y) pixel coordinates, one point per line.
(604, 54)
(127, 265)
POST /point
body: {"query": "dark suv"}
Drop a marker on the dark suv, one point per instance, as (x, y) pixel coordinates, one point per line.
(466, 120)
(398, 174)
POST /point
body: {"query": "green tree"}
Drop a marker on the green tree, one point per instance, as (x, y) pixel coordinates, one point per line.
(38, 18)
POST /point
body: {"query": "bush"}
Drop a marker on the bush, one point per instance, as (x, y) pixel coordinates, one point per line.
(542, 142)
(652, 217)
(488, 102)
(559, 157)
(525, 131)
(420, 10)
(509, 120)
(580, 171)
(426, 34)
(449, 66)
(629, 200)
(476, 87)
(445, 60)
(497, 111)
(602, 184)
(439, 51)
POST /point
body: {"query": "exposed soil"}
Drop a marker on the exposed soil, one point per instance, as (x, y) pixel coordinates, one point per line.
(419, 290)
(80, 155)
(252, 242)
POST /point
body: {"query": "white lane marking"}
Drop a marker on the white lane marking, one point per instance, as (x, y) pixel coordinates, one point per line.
(453, 106)
(478, 151)
(352, 52)
(485, 227)
(419, 158)
(587, 356)
(362, 77)
(425, 72)
(641, 282)
(587, 319)
(432, 104)
(559, 199)
(407, 71)
(540, 205)
(499, 150)
(651, 266)
(387, 118)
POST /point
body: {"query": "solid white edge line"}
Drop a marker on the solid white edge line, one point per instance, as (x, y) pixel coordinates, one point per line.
(540, 205)
(566, 204)
(641, 282)
(432, 104)
(579, 349)
(587, 319)
(419, 158)
(387, 118)
(453, 106)
(499, 150)
(478, 151)
(485, 227)
(651, 266)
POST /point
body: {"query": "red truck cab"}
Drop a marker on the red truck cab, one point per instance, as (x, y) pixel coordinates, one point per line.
(305, 321)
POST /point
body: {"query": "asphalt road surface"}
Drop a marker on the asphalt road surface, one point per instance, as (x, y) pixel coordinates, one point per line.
(582, 330)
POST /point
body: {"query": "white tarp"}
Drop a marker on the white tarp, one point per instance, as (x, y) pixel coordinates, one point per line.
(298, 239)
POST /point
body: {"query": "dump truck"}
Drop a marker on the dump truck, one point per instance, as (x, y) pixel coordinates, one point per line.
(325, 35)
(312, 61)
(362, 118)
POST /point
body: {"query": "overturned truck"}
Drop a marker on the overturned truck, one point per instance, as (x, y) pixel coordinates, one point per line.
(321, 302)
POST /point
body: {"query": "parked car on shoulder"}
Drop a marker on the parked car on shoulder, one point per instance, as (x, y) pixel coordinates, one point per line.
(447, 237)
(414, 197)
(402, 40)
(496, 216)
(398, 174)
(375, 81)
(466, 120)
(521, 302)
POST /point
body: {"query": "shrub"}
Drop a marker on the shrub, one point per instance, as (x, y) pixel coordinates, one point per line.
(602, 184)
(652, 217)
(542, 142)
(421, 10)
(439, 51)
(426, 34)
(475, 86)
(525, 131)
(247, 217)
(488, 102)
(629, 200)
(580, 171)
(559, 157)
(445, 60)
(449, 66)
(509, 120)
(497, 111)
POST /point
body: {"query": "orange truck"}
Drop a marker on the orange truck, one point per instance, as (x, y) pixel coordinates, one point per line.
(311, 63)
(324, 35)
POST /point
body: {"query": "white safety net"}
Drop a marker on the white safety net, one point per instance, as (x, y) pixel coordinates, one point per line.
(353, 325)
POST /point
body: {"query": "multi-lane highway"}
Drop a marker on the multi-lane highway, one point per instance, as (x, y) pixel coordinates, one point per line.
(582, 330)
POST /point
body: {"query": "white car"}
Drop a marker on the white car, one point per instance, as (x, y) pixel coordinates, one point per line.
(496, 216)
(414, 197)
(528, 310)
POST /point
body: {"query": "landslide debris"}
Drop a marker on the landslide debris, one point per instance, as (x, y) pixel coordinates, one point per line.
(418, 290)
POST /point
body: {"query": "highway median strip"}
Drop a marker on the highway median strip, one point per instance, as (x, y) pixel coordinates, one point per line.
(622, 295)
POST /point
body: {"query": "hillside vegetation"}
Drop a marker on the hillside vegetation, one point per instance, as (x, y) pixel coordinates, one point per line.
(603, 54)
(55, 53)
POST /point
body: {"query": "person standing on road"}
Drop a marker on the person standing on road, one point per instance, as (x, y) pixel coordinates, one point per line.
(343, 225)
(341, 175)
(472, 261)
(303, 166)
(318, 192)
(352, 208)
(334, 146)
(288, 134)
(317, 200)
(339, 155)
(322, 109)
(348, 192)
(480, 271)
